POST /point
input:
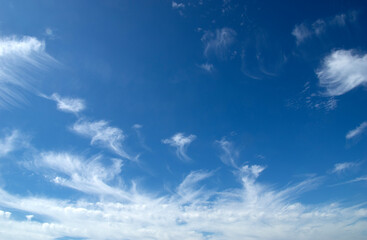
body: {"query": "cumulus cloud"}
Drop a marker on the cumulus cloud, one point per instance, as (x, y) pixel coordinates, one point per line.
(218, 42)
(252, 211)
(101, 133)
(357, 131)
(180, 142)
(342, 71)
(18, 58)
(67, 104)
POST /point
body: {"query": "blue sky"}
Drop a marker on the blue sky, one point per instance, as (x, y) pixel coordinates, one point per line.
(183, 119)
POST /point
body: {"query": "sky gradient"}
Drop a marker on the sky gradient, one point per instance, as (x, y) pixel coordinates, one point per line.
(183, 119)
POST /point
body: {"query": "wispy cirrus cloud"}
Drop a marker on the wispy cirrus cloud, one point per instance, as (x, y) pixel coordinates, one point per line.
(254, 211)
(218, 42)
(67, 104)
(207, 67)
(12, 141)
(342, 71)
(301, 33)
(20, 57)
(229, 155)
(342, 167)
(304, 31)
(102, 134)
(357, 131)
(176, 5)
(180, 142)
(87, 175)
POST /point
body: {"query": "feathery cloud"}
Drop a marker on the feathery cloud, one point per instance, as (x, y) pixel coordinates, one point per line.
(66, 104)
(218, 42)
(342, 167)
(342, 71)
(304, 31)
(11, 142)
(357, 131)
(18, 58)
(301, 32)
(85, 175)
(252, 211)
(180, 142)
(229, 155)
(102, 134)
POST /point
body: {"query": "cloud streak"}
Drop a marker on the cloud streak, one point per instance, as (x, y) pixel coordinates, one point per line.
(357, 131)
(19, 57)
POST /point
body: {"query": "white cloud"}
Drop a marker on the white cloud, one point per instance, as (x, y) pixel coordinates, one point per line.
(11, 142)
(253, 211)
(180, 142)
(85, 175)
(342, 167)
(187, 191)
(342, 71)
(305, 31)
(19, 58)
(218, 42)
(357, 131)
(137, 126)
(229, 155)
(66, 104)
(102, 134)
(319, 26)
(340, 19)
(207, 67)
(177, 5)
(301, 32)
